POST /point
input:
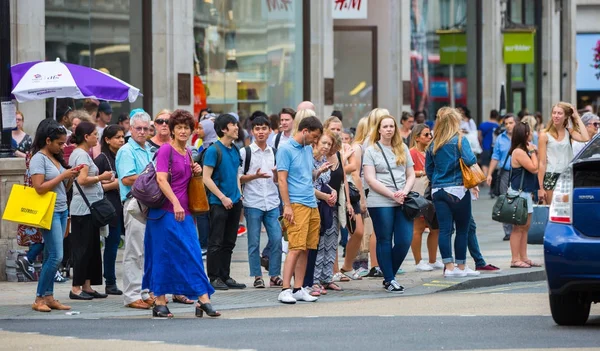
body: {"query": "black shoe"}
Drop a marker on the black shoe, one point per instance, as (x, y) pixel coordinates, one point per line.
(218, 284)
(375, 272)
(506, 237)
(206, 307)
(96, 294)
(161, 311)
(24, 264)
(264, 261)
(112, 290)
(232, 284)
(82, 296)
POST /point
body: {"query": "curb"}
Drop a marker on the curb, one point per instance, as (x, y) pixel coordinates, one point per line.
(487, 281)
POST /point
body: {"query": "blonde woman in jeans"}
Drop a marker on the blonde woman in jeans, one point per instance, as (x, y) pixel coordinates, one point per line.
(389, 172)
(451, 199)
(554, 146)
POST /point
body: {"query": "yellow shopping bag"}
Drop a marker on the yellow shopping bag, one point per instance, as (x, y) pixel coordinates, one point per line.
(26, 206)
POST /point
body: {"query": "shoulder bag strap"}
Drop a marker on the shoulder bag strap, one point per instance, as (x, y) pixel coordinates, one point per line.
(247, 159)
(108, 160)
(82, 194)
(277, 139)
(388, 165)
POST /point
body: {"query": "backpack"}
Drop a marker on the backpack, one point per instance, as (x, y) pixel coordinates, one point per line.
(249, 157)
(219, 155)
(277, 140)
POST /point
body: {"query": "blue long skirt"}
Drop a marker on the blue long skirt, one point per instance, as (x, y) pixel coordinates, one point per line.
(173, 259)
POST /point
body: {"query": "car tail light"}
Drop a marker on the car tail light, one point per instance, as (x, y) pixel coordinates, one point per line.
(561, 209)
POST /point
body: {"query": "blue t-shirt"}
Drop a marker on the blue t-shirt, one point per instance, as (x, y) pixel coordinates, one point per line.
(297, 160)
(225, 175)
(501, 150)
(487, 134)
(131, 160)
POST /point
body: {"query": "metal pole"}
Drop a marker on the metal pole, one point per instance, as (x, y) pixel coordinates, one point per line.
(5, 78)
(451, 86)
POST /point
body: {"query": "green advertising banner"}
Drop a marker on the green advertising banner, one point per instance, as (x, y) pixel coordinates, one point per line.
(453, 48)
(519, 47)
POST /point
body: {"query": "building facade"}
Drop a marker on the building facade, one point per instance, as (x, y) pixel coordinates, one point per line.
(350, 55)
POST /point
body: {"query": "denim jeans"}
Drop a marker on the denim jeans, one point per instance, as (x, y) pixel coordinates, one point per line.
(53, 253)
(203, 225)
(389, 223)
(343, 236)
(254, 219)
(34, 250)
(451, 210)
(473, 244)
(111, 246)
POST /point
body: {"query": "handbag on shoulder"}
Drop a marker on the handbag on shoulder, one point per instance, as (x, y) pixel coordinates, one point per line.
(145, 189)
(103, 212)
(414, 203)
(511, 209)
(473, 175)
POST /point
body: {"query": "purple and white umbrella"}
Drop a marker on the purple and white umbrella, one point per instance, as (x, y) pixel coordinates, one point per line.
(39, 80)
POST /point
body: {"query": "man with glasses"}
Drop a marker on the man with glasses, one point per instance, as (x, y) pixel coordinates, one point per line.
(131, 160)
(591, 122)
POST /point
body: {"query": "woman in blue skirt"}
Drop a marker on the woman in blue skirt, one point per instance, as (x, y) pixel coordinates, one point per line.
(173, 263)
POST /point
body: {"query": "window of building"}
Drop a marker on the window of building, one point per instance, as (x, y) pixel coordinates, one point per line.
(103, 34)
(430, 80)
(248, 54)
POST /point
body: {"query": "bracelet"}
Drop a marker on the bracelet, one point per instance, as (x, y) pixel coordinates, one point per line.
(98, 179)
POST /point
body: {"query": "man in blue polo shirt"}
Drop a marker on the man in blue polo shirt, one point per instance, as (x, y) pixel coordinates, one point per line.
(220, 177)
(300, 213)
(501, 156)
(131, 160)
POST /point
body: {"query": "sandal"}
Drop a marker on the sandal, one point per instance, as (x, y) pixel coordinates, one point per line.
(519, 264)
(339, 277)
(276, 282)
(259, 283)
(352, 274)
(333, 286)
(532, 263)
(182, 299)
(320, 289)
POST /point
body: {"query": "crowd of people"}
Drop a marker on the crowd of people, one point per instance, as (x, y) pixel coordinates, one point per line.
(307, 182)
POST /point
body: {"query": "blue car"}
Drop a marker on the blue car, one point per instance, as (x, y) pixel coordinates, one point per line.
(572, 239)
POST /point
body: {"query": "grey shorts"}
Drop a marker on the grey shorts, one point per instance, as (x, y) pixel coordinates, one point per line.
(526, 196)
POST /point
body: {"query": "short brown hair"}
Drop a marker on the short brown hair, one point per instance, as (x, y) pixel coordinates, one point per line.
(181, 116)
(288, 111)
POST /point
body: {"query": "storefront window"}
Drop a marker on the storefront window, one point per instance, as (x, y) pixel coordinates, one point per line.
(104, 34)
(430, 80)
(248, 54)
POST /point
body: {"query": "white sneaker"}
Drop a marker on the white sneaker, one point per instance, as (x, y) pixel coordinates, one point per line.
(362, 272)
(456, 272)
(470, 272)
(436, 265)
(303, 295)
(287, 297)
(423, 267)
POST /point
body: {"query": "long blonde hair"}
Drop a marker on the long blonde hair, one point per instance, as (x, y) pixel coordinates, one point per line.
(373, 118)
(362, 130)
(332, 119)
(300, 115)
(569, 112)
(397, 142)
(447, 126)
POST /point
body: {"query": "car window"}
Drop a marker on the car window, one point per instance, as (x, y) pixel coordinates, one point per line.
(592, 149)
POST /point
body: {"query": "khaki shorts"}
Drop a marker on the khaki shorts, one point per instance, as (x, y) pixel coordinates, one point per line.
(304, 233)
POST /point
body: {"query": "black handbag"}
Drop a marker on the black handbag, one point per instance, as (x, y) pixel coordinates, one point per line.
(496, 179)
(511, 209)
(103, 212)
(354, 193)
(414, 204)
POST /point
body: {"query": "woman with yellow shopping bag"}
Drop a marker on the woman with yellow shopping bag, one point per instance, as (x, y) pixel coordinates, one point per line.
(49, 173)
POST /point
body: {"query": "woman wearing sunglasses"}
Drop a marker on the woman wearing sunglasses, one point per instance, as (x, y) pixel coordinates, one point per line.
(161, 126)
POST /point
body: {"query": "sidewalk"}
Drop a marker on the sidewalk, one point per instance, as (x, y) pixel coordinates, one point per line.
(17, 297)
